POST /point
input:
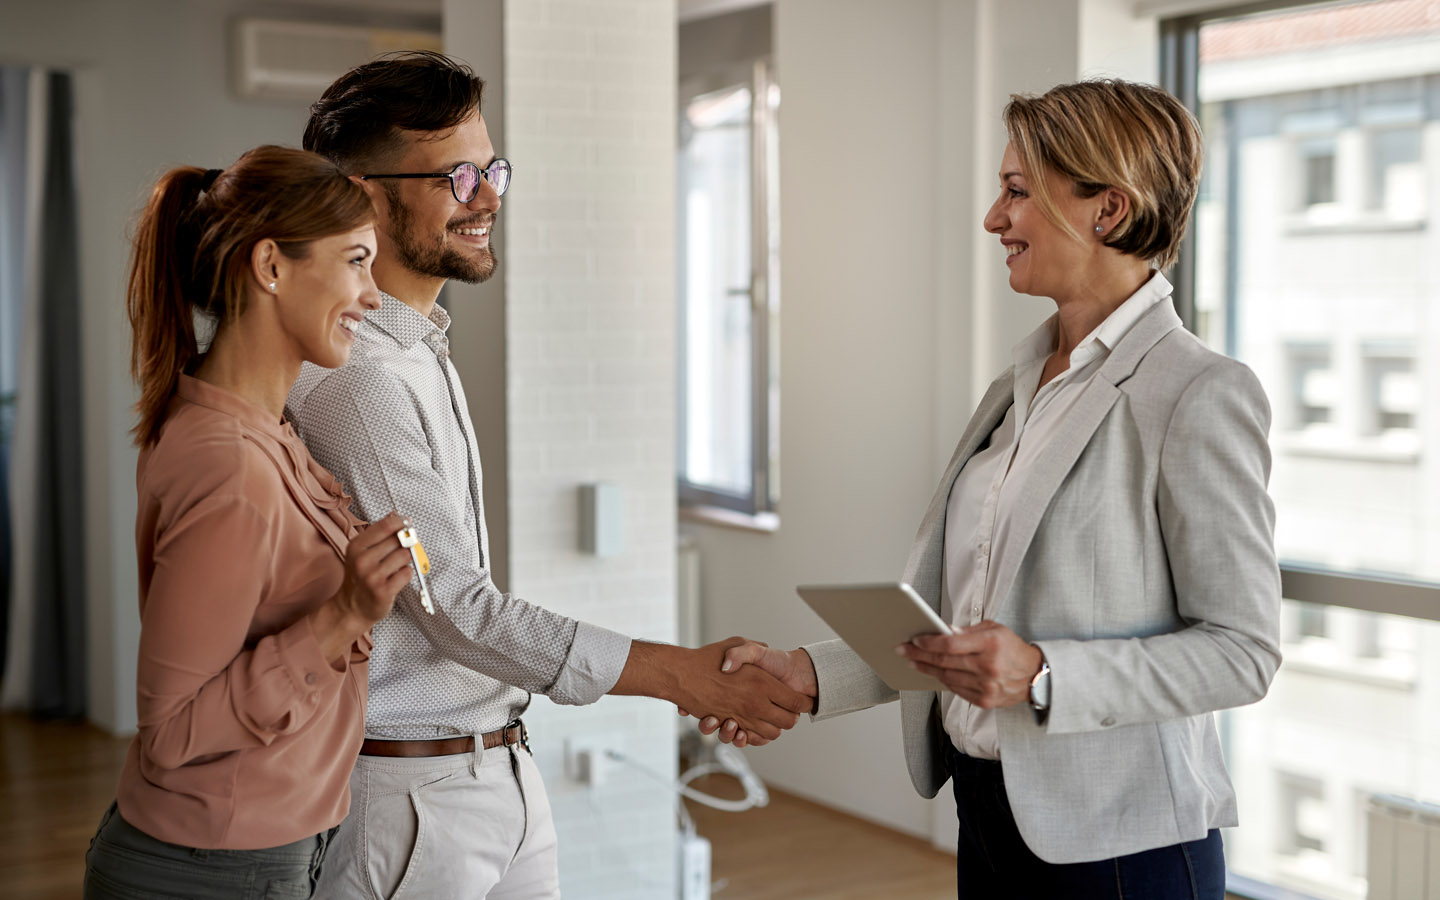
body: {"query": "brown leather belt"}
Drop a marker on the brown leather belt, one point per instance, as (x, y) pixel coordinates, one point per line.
(511, 734)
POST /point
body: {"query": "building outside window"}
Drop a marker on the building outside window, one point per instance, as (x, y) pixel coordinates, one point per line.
(1314, 260)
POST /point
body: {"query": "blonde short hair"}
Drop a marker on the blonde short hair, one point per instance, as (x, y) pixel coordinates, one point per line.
(1106, 133)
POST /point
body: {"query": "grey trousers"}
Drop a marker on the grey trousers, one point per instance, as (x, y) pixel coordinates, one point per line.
(125, 863)
(461, 827)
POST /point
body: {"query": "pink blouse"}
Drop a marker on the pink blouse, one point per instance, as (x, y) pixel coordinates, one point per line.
(247, 734)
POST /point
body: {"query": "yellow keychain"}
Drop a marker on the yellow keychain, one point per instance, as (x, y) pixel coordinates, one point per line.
(410, 540)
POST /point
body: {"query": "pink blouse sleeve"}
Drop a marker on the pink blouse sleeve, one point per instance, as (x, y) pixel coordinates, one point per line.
(201, 689)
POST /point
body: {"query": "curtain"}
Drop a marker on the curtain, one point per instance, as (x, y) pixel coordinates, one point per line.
(45, 670)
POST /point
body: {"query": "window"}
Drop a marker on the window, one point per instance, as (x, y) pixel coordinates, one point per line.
(728, 227)
(1317, 169)
(1392, 391)
(1312, 386)
(1310, 261)
(1397, 183)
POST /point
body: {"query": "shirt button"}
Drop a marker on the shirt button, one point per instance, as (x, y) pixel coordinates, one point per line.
(309, 677)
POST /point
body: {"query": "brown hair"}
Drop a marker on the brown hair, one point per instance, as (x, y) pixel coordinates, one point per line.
(1106, 133)
(193, 245)
(358, 121)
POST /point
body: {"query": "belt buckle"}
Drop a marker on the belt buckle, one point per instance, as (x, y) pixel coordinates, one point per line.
(524, 735)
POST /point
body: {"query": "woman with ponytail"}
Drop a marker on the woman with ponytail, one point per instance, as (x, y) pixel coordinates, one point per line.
(257, 586)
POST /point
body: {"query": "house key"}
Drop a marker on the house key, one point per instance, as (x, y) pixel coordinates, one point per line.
(411, 541)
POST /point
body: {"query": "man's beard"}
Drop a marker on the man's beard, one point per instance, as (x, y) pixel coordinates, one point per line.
(434, 259)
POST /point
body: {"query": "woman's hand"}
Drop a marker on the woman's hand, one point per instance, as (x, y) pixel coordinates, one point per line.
(986, 664)
(376, 568)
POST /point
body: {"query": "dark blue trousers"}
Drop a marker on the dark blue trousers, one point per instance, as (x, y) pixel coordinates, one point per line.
(993, 862)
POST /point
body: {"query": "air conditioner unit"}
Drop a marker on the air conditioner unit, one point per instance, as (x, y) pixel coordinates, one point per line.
(275, 59)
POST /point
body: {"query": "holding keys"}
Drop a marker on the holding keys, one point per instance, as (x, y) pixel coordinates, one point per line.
(420, 562)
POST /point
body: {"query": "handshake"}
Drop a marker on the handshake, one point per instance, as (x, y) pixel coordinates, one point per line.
(750, 693)
(742, 688)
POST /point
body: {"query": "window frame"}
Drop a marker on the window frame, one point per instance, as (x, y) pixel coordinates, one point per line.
(758, 506)
(1180, 74)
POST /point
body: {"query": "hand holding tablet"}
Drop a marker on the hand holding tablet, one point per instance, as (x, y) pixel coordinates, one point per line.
(873, 619)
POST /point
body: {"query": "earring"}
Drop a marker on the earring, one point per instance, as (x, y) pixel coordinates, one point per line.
(272, 284)
(1098, 230)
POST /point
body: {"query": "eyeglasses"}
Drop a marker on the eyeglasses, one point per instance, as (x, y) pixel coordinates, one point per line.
(464, 178)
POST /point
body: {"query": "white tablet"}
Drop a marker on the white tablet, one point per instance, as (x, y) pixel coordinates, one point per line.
(874, 619)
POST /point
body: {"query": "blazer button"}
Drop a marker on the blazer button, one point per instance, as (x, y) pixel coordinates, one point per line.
(1107, 722)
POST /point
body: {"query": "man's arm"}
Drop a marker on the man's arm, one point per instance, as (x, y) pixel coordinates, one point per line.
(363, 425)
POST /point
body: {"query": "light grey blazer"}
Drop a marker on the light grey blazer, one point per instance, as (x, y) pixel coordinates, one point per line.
(1149, 580)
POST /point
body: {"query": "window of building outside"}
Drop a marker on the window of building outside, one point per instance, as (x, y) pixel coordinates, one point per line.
(1315, 262)
(728, 227)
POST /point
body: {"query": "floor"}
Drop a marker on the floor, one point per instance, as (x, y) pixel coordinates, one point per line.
(57, 778)
(794, 849)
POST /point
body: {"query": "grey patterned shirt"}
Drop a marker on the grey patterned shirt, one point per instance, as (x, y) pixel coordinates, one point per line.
(392, 424)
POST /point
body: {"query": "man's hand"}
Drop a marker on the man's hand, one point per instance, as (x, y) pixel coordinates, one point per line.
(692, 679)
(985, 664)
(793, 667)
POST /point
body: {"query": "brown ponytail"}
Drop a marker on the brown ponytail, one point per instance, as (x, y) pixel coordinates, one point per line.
(192, 251)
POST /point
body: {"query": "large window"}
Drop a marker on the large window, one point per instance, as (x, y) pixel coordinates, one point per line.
(1313, 260)
(728, 226)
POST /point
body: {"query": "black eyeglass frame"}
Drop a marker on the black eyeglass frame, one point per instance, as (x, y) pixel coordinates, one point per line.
(450, 176)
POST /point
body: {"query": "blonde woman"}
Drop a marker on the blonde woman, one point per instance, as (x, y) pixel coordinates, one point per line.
(1102, 540)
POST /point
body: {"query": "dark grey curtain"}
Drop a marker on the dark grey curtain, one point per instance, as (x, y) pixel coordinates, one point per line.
(14, 117)
(57, 678)
(59, 669)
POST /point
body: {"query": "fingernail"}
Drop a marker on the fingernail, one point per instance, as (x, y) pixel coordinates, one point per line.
(914, 665)
(725, 667)
(899, 649)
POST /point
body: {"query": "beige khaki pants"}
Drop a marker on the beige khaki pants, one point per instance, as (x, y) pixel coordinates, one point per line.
(449, 827)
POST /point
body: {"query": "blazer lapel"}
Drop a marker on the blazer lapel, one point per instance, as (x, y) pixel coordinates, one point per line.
(1072, 437)
(923, 568)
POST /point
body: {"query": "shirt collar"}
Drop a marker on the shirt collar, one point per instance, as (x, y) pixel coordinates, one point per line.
(203, 393)
(404, 323)
(1040, 343)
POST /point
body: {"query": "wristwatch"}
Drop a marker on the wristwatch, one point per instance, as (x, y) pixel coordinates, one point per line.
(1040, 687)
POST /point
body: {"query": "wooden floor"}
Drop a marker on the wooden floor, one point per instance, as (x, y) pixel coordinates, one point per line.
(57, 779)
(794, 849)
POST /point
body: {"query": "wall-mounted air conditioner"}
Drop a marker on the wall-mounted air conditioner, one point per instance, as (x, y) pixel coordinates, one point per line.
(275, 59)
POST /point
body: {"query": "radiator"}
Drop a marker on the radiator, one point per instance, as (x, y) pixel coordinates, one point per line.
(687, 591)
(1403, 852)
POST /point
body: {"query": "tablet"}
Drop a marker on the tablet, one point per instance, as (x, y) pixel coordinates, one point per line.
(874, 619)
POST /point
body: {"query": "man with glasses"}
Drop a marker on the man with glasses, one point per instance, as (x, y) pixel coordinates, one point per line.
(453, 666)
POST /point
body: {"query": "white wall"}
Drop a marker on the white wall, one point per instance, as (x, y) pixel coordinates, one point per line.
(151, 92)
(895, 316)
(589, 268)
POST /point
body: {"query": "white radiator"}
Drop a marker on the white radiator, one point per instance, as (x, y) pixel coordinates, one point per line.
(1404, 849)
(687, 591)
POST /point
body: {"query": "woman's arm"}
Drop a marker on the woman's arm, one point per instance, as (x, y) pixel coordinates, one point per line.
(200, 689)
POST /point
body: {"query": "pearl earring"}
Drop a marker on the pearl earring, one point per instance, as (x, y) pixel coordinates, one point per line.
(1098, 230)
(272, 284)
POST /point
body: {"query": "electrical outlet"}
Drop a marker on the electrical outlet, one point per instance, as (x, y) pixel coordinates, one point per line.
(585, 759)
(694, 867)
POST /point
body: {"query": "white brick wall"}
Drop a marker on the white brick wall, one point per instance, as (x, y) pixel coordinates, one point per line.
(589, 93)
